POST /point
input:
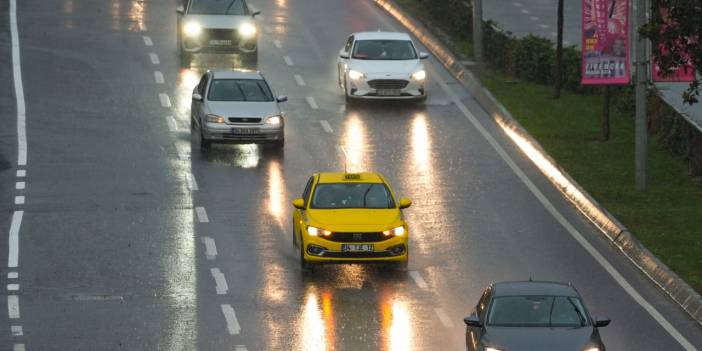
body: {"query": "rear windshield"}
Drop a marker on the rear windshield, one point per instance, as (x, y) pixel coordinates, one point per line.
(239, 90)
(218, 7)
(384, 50)
(352, 195)
(537, 311)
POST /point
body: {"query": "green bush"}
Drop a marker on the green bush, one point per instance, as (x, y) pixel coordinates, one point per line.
(453, 16)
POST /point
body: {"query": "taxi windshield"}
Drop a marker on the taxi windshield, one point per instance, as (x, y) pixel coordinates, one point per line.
(352, 195)
(218, 7)
(537, 311)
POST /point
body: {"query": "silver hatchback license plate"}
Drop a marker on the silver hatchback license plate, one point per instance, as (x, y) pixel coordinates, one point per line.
(357, 247)
(244, 131)
(388, 92)
(220, 42)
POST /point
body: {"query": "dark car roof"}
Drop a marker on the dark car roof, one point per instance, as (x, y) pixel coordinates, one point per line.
(533, 288)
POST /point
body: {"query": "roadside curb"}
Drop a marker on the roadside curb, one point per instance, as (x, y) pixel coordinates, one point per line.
(616, 232)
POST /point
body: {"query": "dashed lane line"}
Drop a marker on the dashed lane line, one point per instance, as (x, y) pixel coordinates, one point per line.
(240, 348)
(158, 77)
(20, 185)
(534, 18)
(325, 125)
(312, 103)
(16, 330)
(278, 44)
(18, 347)
(201, 215)
(210, 247)
(172, 124)
(288, 61)
(192, 183)
(525, 11)
(12, 275)
(13, 309)
(443, 317)
(19, 200)
(220, 281)
(233, 326)
(147, 41)
(165, 100)
(418, 279)
(13, 255)
(299, 80)
(21, 173)
(13, 287)
(543, 26)
(154, 58)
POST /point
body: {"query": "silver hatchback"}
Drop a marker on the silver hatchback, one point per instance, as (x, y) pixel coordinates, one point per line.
(236, 107)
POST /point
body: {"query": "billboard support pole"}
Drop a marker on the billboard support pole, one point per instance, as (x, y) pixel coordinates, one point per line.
(478, 30)
(641, 128)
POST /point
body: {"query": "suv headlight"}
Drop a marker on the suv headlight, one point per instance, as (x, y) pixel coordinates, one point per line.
(247, 30)
(419, 75)
(397, 231)
(192, 29)
(356, 75)
(314, 231)
(274, 120)
(215, 119)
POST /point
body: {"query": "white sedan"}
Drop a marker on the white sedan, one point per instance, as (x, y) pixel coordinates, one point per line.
(381, 65)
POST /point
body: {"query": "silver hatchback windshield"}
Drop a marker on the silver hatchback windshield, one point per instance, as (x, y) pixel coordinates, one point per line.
(218, 7)
(239, 90)
(384, 50)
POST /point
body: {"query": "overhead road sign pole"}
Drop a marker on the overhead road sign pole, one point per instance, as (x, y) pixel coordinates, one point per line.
(641, 128)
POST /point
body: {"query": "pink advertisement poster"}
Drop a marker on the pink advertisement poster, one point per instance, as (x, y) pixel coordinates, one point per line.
(605, 42)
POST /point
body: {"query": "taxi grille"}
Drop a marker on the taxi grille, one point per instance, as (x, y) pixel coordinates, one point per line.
(357, 237)
(388, 83)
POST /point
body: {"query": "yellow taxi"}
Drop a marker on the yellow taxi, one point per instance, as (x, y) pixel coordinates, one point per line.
(348, 217)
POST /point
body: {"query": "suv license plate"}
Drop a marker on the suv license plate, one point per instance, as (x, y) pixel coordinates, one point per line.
(388, 92)
(220, 42)
(357, 247)
(244, 131)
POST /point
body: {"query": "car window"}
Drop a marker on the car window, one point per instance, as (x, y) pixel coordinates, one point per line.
(349, 43)
(218, 7)
(537, 311)
(352, 195)
(239, 90)
(384, 50)
(308, 188)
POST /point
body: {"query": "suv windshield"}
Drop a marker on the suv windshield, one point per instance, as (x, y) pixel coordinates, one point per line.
(218, 7)
(537, 311)
(239, 90)
(384, 50)
(352, 195)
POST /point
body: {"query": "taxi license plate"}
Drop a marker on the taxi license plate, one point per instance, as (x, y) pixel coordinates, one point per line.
(388, 92)
(357, 247)
(244, 131)
(220, 42)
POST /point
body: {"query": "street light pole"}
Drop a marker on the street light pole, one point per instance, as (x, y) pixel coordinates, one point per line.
(478, 30)
(641, 128)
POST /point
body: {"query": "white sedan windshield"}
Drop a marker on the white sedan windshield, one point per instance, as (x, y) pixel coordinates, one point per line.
(384, 50)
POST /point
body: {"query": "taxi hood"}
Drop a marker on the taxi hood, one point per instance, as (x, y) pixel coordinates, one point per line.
(350, 219)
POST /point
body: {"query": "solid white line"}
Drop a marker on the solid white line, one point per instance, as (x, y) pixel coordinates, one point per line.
(278, 44)
(18, 347)
(12, 275)
(192, 184)
(443, 317)
(569, 227)
(20, 185)
(220, 281)
(172, 125)
(232, 324)
(19, 89)
(325, 125)
(21, 173)
(19, 200)
(418, 279)
(210, 248)
(240, 348)
(299, 80)
(201, 215)
(16, 330)
(165, 100)
(288, 61)
(158, 77)
(311, 102)
(147, 41)
(12, 287)
(154, 58)
(13, 256)
(13, 310)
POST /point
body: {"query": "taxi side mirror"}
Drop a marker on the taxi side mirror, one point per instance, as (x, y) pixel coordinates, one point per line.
(180, 9)
(299, 203)
(405, 202)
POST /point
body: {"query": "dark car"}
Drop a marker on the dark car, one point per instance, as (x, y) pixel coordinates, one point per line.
(532, 316)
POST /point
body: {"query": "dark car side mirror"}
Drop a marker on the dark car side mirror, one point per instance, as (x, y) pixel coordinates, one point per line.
(197, 97)
(473, 321)
(255, 13)
(602, 322)
(282, 98)
(180, 9)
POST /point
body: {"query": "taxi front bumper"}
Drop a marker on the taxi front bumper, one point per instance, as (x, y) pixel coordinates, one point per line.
(317, 249)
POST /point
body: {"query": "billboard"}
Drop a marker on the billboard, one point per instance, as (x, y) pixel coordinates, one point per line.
(605, 42)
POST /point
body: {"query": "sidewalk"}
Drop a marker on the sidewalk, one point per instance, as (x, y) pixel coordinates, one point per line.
(538, 17)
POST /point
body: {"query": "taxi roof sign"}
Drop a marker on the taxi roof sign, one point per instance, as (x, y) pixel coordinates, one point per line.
(352, 176)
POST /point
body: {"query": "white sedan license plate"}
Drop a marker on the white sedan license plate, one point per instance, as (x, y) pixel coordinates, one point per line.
(220, 42)
(388, 92)
(357, 247)
(244, 131)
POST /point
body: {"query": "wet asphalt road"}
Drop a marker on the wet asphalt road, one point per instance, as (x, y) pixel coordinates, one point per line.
(115, 255)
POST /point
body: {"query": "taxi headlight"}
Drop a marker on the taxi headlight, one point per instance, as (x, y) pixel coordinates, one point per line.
(592, 349)
(215, 119)
(274, 120)
(397, 231)
(247, 30)
(192, 29)
(314, 231)
(356, 75)
(419, 75)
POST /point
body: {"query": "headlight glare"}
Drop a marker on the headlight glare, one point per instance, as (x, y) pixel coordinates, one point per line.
(419, 75)
(215, 119)
(192, 29)
(492, 349)
(247, 30)
(356, 75)
(397, 231)
(274, 120)
(314, 231)
(592, 349)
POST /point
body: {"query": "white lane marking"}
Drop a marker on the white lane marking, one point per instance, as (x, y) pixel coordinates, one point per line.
(20, 185)
(325, 125)
(154, 58)
(201, 215)
(443, 317)
(554, 34)
(192, 184)
(158, 77)
(278, 44)
(220, 281)
(165, 100)
(240, 348)
(232, 323)
(311, 102)
(418, 279)
(288, 61)
(183, 152)
(534, 18)
(172, 125)
(342, 108)
(18, 347)
(299, 80)
(147, 41)
(13, 256)
(268, 29)
(210, 247)
(12, 275)
(16, 330)
(517, 4)
(13, 309)
(12, 287)
(525, 11)
(19, 200)
(544, 26)
(662, 321)
(19, 88)
(21, 173)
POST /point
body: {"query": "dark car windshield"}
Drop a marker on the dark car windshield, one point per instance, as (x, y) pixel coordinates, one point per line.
(239, 90)
(537, 311)
(218, 7)
(384, 50)
(352, 195)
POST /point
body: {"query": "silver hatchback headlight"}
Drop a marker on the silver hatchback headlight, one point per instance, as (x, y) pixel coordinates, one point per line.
(274, 120)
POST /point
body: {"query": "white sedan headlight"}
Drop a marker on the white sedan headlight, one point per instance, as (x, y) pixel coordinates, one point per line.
(356, 75)
(419, 75)
(247, 30)
(274, 120)
(192, 29)
(397, 231)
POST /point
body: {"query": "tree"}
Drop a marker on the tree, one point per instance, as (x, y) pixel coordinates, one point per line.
(674, 29)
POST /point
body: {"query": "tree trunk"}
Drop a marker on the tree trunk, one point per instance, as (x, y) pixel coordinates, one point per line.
(605, 113)
(557, 75)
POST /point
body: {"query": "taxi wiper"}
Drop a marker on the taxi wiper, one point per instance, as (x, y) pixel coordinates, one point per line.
(229, 6)
(366, 194)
